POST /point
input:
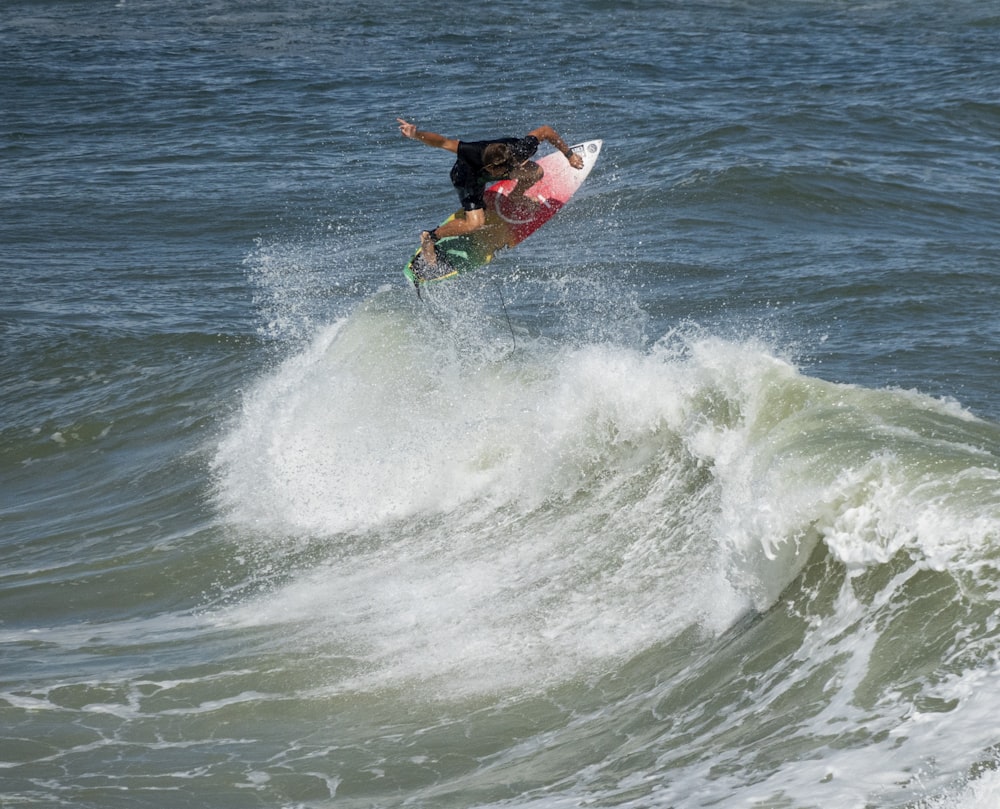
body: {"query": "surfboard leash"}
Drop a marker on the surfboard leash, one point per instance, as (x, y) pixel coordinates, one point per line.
(503, 305)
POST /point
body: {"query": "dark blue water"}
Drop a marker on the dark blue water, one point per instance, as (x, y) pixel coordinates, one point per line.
(693, 499)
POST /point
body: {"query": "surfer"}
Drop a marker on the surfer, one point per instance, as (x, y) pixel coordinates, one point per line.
(479, 163)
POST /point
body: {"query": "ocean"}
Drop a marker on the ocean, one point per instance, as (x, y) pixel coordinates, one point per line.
(690, 500)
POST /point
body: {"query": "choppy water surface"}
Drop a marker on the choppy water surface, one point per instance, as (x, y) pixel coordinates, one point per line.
(692, 500)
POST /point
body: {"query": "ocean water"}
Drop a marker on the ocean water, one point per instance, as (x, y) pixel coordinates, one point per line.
(691, 500)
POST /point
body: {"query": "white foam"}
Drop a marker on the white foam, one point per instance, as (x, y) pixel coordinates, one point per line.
(496, 524)
(524, 521)
(980, 793)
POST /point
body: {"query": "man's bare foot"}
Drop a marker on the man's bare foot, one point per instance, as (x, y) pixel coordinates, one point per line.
(427, 251)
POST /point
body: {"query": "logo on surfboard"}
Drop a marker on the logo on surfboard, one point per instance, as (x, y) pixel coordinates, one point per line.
(519, 214)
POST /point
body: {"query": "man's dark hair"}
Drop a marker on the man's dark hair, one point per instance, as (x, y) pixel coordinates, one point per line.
(498, 155)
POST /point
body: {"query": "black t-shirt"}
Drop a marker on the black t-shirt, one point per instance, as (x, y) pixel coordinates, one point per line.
(469, 175)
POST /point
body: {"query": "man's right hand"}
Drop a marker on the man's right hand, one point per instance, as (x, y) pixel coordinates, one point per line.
(409, 130)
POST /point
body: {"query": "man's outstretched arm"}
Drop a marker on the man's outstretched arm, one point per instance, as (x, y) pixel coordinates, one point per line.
(430, 138)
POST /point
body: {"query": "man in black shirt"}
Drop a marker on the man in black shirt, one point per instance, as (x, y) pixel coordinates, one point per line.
(479, 163)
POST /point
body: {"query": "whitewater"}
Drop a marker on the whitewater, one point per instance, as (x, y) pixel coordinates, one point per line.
(691, 500)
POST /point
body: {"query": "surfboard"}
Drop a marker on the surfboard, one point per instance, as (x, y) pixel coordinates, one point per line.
(507, 223)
